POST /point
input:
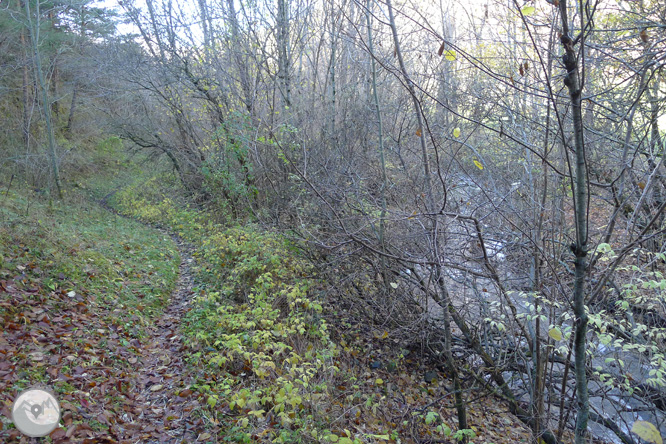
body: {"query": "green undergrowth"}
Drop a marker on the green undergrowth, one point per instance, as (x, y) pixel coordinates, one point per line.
(76, 246)
(276, 361)
(256, 325)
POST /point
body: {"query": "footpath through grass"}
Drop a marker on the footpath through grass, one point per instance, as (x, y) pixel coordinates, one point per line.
(78, 286)
(255, 327)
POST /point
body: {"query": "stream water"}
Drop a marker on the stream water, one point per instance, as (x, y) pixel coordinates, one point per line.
(479, 298)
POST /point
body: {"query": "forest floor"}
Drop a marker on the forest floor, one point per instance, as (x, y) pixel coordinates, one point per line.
(86, 311)
(115, 316)
(164, 406)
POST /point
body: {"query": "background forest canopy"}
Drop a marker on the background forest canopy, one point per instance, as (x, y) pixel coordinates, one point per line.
(484, 179)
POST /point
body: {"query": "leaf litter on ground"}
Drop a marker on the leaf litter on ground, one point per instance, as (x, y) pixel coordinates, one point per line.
(77, 299)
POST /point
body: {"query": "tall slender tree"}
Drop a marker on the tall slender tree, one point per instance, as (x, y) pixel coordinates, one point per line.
(33, 26)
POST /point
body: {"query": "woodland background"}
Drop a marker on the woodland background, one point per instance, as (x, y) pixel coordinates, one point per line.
(481, 182)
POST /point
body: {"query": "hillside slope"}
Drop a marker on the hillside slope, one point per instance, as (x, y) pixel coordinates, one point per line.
(237, 346)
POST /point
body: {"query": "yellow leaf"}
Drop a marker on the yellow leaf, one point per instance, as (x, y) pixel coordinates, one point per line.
(418, 132)
(555, 333)
(478, 164)
(450, 55)
(528, 10)
(394, 285)
(380, 381)
(385, 335)
(647, 431)
(456, 132)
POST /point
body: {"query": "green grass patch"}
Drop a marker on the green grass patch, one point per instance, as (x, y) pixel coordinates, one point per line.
(76, 245)
(69, 270)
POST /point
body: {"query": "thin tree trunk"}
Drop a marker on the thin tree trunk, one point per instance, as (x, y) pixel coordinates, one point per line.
(540, 370)
(153, 22)
(72, 108)
(54, 78)
(205, 29)
(574, 84)
(380, 136)
(237, 48)
(26, 93)
(444, 296)
(334, 38)
(283, 51)
(46, 104)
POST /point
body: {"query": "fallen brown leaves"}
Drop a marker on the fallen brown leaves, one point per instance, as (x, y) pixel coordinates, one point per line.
(113, 384)
(402, 397)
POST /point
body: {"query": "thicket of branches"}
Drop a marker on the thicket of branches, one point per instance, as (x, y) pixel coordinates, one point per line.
(489, 176)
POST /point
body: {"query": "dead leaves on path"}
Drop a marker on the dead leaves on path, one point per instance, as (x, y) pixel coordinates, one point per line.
(113, 385)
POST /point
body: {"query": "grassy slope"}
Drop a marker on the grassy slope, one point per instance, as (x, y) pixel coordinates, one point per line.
(78, 285)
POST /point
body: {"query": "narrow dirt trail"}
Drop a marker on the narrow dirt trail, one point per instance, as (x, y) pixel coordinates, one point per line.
(163, 404)
(120, 377)
(159, 404)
